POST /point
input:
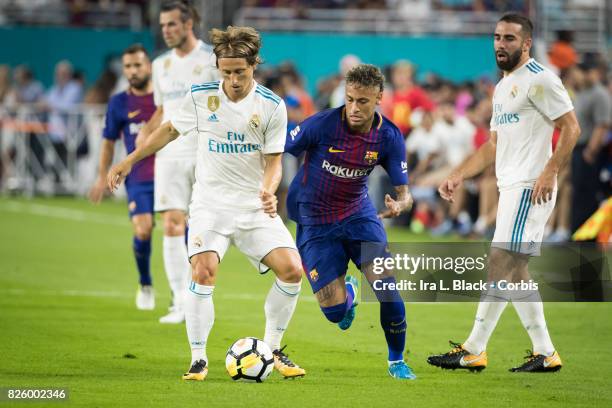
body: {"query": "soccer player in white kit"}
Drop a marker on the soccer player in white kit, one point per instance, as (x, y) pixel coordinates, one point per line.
(528, 103)
(241, 129)
(189, 61)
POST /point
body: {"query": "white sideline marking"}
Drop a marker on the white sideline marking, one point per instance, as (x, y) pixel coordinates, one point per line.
(63, 213)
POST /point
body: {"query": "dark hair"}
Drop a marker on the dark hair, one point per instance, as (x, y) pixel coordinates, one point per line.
(524, 22)
(134, 48)
(366, 75)
(186, 7)
(236, 42)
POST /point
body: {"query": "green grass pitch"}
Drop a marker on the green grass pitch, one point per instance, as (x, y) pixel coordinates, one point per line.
(67, 319)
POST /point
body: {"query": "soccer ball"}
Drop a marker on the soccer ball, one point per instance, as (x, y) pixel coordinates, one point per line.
(249, 359)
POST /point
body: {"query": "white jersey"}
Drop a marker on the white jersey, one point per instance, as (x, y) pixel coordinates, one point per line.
(232, 140)
(525, 104)
(172, 79)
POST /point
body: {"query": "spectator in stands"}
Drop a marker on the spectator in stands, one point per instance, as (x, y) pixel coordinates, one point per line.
(294, 86)
(593, 109)
(346, 63)
(562, 53)
(26, 90)
(405, 97)
(100, 92)
(5, 82)
(61, 102)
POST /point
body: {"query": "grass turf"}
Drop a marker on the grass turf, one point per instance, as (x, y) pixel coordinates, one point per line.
(67, 319)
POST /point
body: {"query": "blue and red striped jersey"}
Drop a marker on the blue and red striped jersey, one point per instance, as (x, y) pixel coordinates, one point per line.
(331, 184)
(126, 114)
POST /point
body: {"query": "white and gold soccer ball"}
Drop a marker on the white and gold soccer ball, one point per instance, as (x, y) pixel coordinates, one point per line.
(249, 359)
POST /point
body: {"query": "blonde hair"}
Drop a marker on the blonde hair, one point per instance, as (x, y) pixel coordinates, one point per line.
(237, 42)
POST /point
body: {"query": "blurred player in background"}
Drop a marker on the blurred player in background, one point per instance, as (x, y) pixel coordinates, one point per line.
(241, 128)
(528, 104)
(329, 200)
(127, 112)
(189, 61)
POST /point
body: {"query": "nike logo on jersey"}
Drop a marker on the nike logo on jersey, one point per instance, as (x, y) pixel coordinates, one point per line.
(132, 115)
(332, 150)
(213, 118)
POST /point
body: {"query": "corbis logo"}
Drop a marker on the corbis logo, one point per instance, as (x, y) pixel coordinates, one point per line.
(197, 70)
(197, 242)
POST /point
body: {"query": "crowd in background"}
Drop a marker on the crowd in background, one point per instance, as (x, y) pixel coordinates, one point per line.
(443, 123)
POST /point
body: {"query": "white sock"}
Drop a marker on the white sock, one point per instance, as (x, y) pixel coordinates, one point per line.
(279, 308)
(489, 311)
(199, 318)
(529, 307)
(178, 271)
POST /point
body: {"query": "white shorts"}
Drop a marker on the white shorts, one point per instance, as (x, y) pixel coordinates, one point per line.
(255, 234)
(174, 180)
(520, 224)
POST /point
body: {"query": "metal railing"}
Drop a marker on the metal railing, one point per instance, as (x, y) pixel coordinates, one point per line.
(34, 163)
(589, 22)
(373, 21)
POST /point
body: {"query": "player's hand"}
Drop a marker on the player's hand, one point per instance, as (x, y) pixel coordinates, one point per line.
(449, 186)
(117, 174)
(589, 156)
(395, 208)
(97, 191)
(544, 187)
(269, 202)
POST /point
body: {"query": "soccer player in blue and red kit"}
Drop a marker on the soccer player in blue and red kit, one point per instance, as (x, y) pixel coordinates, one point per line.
(126, 114)
(329, 201)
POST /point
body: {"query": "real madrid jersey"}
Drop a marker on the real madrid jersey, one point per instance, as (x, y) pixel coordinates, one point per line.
(233, 138)
(172, 79)
(525, 104)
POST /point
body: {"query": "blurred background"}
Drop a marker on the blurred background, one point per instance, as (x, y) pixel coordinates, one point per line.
(60, 63)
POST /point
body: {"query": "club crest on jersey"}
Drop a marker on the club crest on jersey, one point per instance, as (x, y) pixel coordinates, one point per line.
(254, 122)
(213, 103)
(197, 70)
(514, 92)
(370, 157)
(197, 242)
(167, 63)
(314, 275)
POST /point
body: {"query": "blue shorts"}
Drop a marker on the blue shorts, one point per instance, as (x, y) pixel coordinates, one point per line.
(140, 198)
(327, 248)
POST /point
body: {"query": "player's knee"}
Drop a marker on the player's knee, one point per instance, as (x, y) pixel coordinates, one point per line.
(203, 274)
(291, 273)
(174, 224)
(143, 231)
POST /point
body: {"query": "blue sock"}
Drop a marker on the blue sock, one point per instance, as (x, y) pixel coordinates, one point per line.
(335, 313)
(142, 254)
(393, 321)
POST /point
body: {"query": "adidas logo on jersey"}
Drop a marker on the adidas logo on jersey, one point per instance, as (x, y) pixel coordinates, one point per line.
(213, 118)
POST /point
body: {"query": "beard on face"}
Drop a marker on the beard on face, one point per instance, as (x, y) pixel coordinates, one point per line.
(139, 83)
(511, 60)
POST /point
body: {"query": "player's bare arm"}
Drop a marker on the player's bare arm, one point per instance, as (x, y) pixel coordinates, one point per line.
(570, 130)
(106, 157)
(273, 173)
(150, 126)
(472, 166)
(402, 202)
(158, 139)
